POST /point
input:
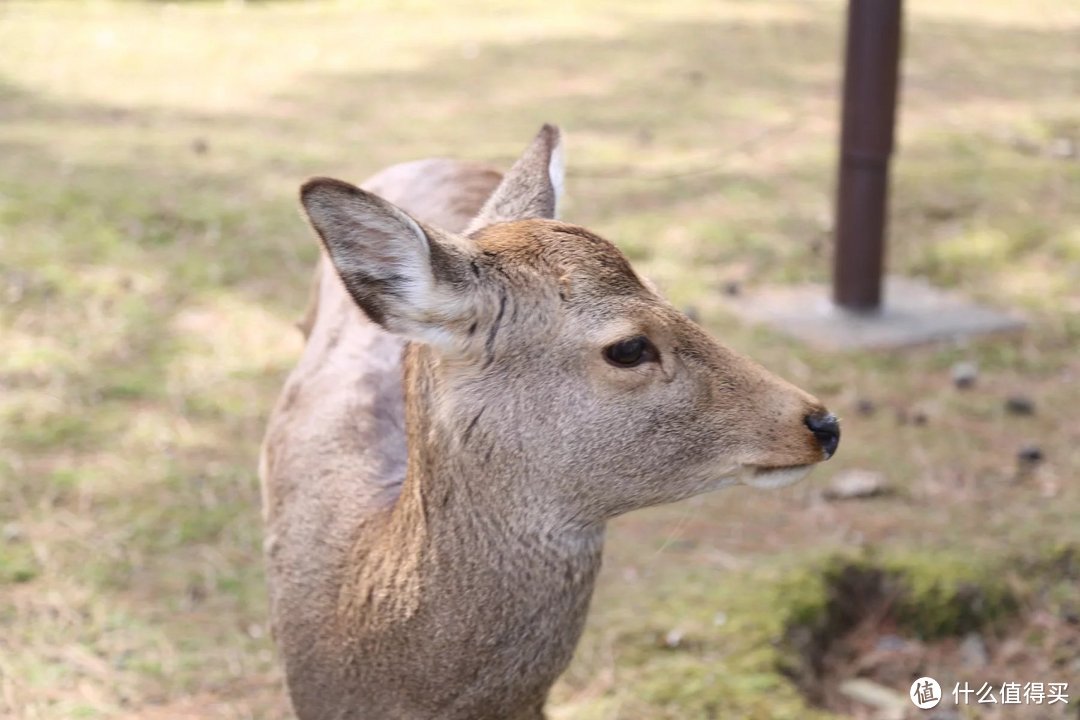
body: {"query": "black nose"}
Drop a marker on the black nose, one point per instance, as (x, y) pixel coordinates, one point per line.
(826, 429)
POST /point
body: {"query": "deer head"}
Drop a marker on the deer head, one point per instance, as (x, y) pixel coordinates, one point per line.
(558, 374)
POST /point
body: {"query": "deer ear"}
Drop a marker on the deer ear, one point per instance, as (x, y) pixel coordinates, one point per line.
(407, 278)
(532, 186)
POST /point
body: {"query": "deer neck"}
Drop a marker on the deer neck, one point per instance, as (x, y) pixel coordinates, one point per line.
(469, 485)
(465, 527)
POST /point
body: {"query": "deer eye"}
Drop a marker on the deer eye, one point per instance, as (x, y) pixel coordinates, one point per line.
(632, 352)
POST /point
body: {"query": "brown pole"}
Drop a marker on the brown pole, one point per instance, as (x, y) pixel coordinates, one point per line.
(871, 66)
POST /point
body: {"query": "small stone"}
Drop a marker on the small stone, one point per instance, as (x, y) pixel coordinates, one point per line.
(719, 619)
(964, 375)
(11, 532)
(674, 638)
(1019, 405)
(1030, 455)
(889, 702)
(732, 288)
(199, 146)
(890, 643)
(1063, 148)
(920, 418)
(17, 284)
(1024, 145)
(857, 485)
(865, 407)
(973, 651)
(692, 312)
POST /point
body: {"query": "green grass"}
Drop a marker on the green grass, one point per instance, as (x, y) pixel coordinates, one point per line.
(152, 261)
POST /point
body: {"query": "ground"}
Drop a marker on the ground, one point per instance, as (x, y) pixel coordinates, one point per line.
(153, 262)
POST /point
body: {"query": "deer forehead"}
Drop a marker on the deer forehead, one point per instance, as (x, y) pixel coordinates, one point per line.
(588, 265)
(594, 282)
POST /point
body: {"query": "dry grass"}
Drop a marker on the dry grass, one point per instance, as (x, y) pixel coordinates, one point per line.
(153, 261)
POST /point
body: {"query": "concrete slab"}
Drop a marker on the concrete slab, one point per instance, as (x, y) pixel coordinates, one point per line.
(914, 313)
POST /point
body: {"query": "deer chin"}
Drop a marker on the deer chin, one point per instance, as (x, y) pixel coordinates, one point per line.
(770, 478)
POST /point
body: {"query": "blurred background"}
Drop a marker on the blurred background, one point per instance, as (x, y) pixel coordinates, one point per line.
(153, 262)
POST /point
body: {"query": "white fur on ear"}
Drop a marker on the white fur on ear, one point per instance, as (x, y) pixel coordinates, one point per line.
(387, 261)
(531, 187)
(557, 172)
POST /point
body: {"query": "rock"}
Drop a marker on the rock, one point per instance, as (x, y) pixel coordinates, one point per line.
(889, 651)
(1019, 405)
(857, 485)
(199, 146)
(890, 643)
(964, 375)
(674, 638)
(732, 288)
(889, 702)
(1063, 149)
(1025, 146)
(17, 284)
(912, 416)
(1014, 653)
(973, 651)
(865, 407)
(1030, 455)
(693, 313)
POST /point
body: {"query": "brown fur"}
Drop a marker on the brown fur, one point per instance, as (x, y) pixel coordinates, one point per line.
(435, 510)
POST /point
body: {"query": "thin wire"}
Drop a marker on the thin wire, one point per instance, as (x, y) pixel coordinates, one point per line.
(673, 533)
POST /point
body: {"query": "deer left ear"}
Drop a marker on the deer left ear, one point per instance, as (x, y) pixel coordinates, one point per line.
(410, 279)
(532, 187)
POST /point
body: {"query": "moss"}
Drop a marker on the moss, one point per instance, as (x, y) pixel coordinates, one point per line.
(702, 647)
(926, 595)
(683, 686)
(947, 595)
(1052, 576)
(932, 595)
(39, 431)
(17, 563)
(1061, 560)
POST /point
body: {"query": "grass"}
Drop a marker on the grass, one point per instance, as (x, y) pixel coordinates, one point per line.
(152, 261)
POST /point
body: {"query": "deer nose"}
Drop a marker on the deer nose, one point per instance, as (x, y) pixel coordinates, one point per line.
(826, 429)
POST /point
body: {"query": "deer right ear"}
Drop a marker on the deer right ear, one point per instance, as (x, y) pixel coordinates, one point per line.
(405, 277)
(532, 186)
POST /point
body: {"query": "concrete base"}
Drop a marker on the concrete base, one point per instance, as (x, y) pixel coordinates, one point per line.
(914, 313)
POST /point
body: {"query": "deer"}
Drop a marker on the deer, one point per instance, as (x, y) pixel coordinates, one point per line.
(481, 389)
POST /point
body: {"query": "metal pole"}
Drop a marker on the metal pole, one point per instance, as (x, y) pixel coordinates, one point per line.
(871, 66)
